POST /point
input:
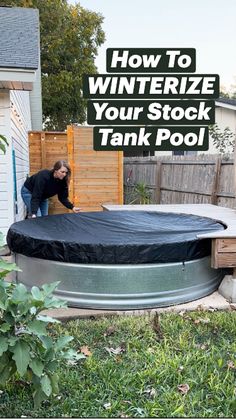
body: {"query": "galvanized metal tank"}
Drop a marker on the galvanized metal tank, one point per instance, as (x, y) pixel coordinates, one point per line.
(119, 286)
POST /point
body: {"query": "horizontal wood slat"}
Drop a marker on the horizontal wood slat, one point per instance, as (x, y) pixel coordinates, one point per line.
(97, 177)
(226, 245)
(224, 253)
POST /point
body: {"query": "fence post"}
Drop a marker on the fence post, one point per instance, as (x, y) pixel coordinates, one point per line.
(120, 178)
(70, 153)
(43, 149)
(215, 186)
(234, 166)
(158, 181)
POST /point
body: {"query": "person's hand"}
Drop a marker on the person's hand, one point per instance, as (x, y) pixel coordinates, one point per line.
(76, 209)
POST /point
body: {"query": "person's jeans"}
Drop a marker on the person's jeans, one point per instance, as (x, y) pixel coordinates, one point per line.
(26, 196)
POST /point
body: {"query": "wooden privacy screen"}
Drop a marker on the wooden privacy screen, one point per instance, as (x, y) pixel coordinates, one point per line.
(97, 176)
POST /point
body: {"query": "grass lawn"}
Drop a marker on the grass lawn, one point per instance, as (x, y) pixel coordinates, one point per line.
(178, 365)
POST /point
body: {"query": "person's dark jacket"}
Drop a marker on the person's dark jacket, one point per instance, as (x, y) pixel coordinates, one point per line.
(43, 185)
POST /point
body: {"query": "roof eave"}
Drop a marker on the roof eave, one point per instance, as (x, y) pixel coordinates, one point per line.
(225, 105)
(17, 78)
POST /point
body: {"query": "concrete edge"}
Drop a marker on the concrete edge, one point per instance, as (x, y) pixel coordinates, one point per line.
(213, 302)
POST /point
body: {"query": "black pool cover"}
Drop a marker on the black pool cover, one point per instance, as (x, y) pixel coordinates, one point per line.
(113, 237)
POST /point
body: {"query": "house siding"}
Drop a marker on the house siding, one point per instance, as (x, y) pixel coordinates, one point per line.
(20, 125)
(6, 175)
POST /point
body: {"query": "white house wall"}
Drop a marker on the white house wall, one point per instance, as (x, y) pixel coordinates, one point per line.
(20, 125)
(224, 117)
(6, 172)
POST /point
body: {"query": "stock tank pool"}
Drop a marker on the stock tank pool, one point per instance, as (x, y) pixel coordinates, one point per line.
(118, 259)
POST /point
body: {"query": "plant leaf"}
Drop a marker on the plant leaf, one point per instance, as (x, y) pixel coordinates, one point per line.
(38, 397)
(5, 327)
(52, 366)
(47, 342)
(20, 294)
(7, 372)
(12, 340)
(37, 366)
(54, 383)
(3, 345)
(2, 240)
(71, 354)
(33, 310)
(4, 360)
(23, 308)
(62, 342)
(21, 356)
(52, 302)
(37, 294)
(8, 267)
(47, 319)
(49, 288)
(3, 148)
(46, 385)
(37, 327)
(2, 305)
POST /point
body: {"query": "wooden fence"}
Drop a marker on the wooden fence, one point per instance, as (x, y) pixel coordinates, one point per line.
(97, 177)
(181, 179)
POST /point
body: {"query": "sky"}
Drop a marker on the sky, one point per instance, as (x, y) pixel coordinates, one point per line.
(207, 25)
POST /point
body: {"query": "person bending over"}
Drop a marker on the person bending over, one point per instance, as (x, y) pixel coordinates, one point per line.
(44, 184)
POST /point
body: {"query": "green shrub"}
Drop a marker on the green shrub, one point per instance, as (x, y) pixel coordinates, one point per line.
(141, 194)
(3, 143)
(223, 140)
(27, 350)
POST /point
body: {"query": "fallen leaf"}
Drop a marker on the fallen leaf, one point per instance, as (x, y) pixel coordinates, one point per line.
(151, 392)
(183, 388)
(231, 365)
(201, 307)
(151, 350)
(202, 346)
(205, 321)
(185, 315)
(180, 368)
(107, 406)
(115, 351)
(200, 320)
(110, 331)
(72, 362)
(85, 350)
